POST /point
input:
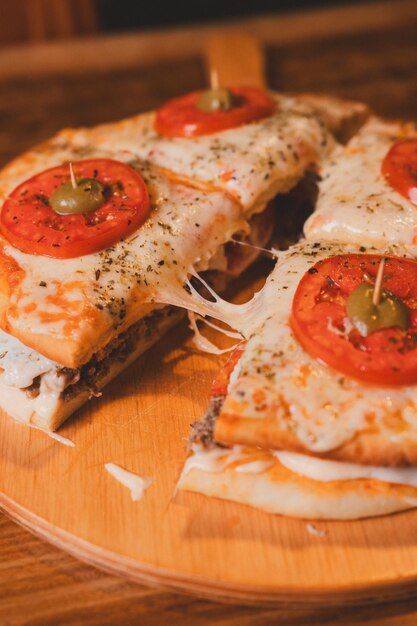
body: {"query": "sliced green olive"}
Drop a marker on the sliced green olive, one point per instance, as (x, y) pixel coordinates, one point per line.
(220, 99)
(368, 317)
(87, 196)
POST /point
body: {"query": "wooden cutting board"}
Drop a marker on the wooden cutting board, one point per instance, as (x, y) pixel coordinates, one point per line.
(184, 541)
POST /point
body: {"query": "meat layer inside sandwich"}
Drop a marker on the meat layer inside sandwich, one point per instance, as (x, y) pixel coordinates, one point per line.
(43, 393)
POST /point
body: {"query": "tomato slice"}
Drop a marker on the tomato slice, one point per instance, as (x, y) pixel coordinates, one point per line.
(399, 168)
(221, 382)
(29, 223)
(319, 320)
(181, 117)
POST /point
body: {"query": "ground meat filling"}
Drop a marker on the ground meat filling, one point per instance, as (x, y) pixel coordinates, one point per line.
(89, 375)
(203, 430)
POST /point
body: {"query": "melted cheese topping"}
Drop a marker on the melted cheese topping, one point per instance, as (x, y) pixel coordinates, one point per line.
(20, 364)
(355, 201)
(327, 471)
(218, 459)
(252, 162)
(277, 379)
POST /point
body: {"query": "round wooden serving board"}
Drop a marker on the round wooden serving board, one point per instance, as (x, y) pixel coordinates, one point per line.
(185, 541)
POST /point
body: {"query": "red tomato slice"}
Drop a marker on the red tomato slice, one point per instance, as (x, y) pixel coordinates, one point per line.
(181, 117)
(400, 168)
(221, 382)
(387, 356)
(31, 225)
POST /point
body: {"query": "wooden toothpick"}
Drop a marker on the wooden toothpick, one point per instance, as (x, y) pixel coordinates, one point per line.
(378, 283)
(214, 79)
(73, 181)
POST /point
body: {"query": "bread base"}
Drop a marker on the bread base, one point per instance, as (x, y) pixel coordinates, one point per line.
(280, 491)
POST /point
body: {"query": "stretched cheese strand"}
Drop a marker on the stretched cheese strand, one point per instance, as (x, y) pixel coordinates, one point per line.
(204, 344)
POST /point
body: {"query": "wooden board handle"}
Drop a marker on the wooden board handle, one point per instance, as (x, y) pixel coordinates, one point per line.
(237, 59)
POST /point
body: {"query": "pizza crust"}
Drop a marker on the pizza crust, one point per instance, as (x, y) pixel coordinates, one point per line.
(367, 448)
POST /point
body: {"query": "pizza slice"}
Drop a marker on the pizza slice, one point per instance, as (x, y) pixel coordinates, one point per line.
(254, 145)
(82, 294)
(93, 259)
(369, 188)
(315, 414)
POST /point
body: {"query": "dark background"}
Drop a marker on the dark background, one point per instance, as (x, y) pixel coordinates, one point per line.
(37, 21)
(119, 15)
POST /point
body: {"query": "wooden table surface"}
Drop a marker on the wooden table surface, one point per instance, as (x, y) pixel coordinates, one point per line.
(368, 52)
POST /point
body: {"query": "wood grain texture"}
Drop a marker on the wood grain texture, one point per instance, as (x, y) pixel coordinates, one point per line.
(184, 541)
(371, 56)
(237, 59)
(56, 19)
(43, 586)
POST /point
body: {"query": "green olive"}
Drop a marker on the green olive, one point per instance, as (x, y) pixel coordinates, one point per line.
(220, 99)
(87, 196)
(368, 317)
